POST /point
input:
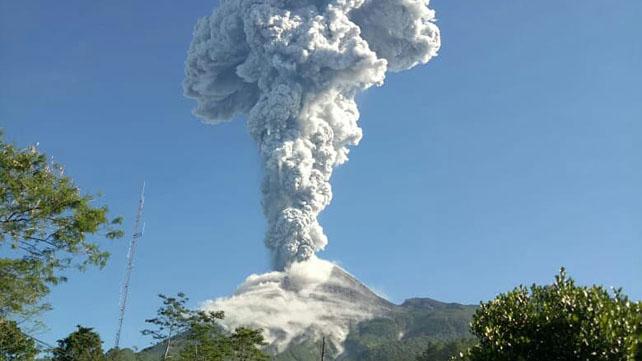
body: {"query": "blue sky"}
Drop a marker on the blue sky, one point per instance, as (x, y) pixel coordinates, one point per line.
(516, 151)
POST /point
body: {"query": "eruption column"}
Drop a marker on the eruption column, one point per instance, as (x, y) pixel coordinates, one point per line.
(293, 68)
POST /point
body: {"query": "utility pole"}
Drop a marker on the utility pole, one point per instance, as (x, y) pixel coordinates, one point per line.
(138, 233)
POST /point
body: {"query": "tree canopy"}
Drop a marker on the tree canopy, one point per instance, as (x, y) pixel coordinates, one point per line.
(45, 227)
(561, 321)
(81, 345)
(14, 345)
(121, 354)
(199, 336)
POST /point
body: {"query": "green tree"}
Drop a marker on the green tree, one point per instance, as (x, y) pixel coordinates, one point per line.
(81, 345)
(121, 354)
(172, 318)
(14, 345)
(45, 224)
(201, 337)
(246, 343)
(205, 341)
(561, 321)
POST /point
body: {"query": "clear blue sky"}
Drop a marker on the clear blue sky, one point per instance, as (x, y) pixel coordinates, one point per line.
(516, 151)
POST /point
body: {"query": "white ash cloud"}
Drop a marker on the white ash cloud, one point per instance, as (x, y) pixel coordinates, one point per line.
(308, 300)
(293, 69)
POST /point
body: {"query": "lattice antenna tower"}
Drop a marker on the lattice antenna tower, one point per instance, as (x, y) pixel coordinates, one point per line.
(138, 233)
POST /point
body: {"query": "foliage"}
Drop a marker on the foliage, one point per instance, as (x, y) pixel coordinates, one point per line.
(21, 287)
(14, 345)
(561, 321)
(445, 351)
(245, 345)
(405, 334)
(204, 340)
(207, 343)
(81, 345)
(172, 318)
(198, 336)
(44, 223)
(121, 354)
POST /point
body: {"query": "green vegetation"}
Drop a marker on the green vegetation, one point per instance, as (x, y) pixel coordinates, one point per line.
(561, 321)
(402, 335)
(407, 332)
(199, 337)
(122, 354)
(445, 351)
(172, 318)
(245, 345)
(44, 226)
(81, 345)
(14, 345)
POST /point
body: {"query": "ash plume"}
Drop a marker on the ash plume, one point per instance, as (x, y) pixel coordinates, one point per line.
(293, 69)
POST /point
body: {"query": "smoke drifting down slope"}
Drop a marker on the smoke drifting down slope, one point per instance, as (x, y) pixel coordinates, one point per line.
(308, 300)
(293, 69)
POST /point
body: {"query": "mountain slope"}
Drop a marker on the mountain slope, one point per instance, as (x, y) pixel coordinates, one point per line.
(401, 334)
(311, 301)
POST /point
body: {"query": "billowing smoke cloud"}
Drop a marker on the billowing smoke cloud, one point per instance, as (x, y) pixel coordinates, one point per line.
(293, 68)
(310, 299)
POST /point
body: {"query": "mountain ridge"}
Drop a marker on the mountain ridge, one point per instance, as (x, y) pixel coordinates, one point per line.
(296, 309)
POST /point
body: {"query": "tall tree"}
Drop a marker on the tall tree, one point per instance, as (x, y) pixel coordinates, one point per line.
(45, 227)
(561, 321)
(81, 345)
(172, 318)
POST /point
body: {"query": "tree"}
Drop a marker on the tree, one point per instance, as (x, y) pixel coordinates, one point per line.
(561, 321)
(81, 345)
(245, 344)
(14, 345)
(121, 354)
(45, 224)
(202, 338)
(172, 318)
(205, 341)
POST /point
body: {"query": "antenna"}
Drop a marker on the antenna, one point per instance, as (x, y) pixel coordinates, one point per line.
(138, 233)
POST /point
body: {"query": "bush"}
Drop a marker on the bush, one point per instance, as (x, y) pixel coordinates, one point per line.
(561, 321)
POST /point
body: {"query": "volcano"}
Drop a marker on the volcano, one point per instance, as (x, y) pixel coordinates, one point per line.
(309, 300)
(318, 299)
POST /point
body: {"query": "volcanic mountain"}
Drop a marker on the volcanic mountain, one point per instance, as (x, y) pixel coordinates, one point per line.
(317, 299)
(309, 300)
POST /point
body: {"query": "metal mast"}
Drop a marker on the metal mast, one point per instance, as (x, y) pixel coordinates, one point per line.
(138, 233)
